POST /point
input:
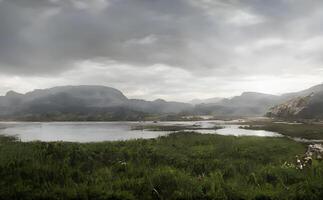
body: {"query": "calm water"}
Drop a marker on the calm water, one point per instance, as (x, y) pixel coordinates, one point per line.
(110, 131)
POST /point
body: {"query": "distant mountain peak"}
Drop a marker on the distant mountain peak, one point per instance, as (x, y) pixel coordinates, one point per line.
(100, 102)
(248, 93)
(87, 99)
(208, 100)
(12, 93)
(159, 101)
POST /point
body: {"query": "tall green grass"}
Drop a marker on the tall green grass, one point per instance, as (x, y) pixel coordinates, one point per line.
(180, 166)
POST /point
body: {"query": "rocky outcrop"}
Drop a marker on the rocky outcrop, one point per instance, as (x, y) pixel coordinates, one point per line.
(290, 109)
(315, 151)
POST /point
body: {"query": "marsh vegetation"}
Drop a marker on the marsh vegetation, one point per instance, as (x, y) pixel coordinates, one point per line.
(300, 130)
(179, 166)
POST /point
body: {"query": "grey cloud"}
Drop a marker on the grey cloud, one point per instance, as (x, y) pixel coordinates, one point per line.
(207, 39)
(33, 44)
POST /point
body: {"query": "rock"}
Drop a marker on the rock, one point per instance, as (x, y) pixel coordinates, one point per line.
(315, 150)
(291, 108)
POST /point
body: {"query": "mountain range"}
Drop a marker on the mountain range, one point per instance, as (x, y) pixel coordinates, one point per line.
(87, 102)
(81, 103)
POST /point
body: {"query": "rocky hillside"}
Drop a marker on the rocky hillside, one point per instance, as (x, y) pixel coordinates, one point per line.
(303, 107)
(291, 108)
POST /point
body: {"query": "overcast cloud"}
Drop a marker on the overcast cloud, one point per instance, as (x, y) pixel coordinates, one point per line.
(172, 49)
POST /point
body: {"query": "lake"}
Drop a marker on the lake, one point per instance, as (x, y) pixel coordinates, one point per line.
(113, 131)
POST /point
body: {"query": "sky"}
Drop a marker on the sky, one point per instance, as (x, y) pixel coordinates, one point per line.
(171, 49)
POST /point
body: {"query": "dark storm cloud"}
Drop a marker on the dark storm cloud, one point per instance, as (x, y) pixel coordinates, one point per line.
(41, 36)
(213, 42)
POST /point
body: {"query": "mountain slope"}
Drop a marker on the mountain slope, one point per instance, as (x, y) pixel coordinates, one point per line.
(209, 100)
(106, 103)
(304, 107)
(158, 106)
(247, 104)
(306, 104)
(258, 104)
(87, 101)
(315, 89)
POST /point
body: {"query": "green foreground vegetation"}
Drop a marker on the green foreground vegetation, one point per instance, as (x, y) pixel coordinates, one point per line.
(307, 131)
(180, 166)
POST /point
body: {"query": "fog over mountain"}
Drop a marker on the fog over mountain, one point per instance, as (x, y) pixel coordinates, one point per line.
(170, 49)
(208, 100)
(105, 103)
(89, 101)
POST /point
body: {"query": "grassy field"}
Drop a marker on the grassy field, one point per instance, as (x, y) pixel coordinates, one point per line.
(307, 131)
(181, 166)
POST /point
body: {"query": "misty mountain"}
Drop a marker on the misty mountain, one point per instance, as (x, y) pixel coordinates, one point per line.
(315, 89)
(247, 104)
(82, 101)
(106, 103)
(209, 100)
(258, 104)
(61, 98)
(158, 106)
